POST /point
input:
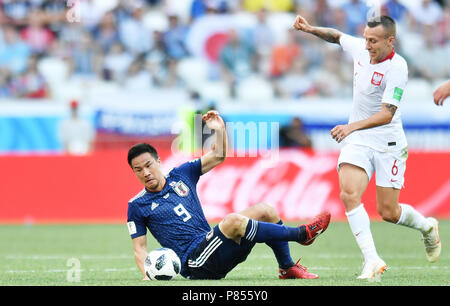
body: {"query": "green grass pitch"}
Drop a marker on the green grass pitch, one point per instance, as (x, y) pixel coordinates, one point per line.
(40, 255)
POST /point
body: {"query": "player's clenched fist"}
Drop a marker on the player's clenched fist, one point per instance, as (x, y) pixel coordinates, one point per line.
(213, 120)
(301, 24)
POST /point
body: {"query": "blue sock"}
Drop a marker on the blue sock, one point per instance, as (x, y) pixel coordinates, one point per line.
(258, 231)
(281, 251)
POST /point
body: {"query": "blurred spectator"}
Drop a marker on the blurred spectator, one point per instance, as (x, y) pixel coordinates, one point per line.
(134, 33)
(38, 37)
(356, 16)
(156, 61)
(237, 59)
(16, 11)
(295, 82)
(431, 61)
(443, 29)
(138, 78)
(86, 57)
(198, 9)
(263, 39)
(55, 13)
(116, 63)
(91, 14)
(330, 78)
(323, 13)
(5, 83)
(340, 20)
(427, 13)
(283, 55)
(121, 11)
(395, 9)
(77, 134)
(174, 39)
(106, 33)
(31, 84)
(14, 52)
(294, 136)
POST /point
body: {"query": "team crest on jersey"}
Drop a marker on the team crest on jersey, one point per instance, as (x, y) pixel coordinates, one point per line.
(181, 189)
(377, 78)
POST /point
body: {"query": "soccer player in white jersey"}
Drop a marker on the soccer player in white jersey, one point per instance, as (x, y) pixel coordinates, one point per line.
(374, 138)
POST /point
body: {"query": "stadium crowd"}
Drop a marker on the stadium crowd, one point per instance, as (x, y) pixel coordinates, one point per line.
(140, 44)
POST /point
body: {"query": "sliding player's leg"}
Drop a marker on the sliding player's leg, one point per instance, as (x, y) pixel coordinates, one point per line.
(261, 223)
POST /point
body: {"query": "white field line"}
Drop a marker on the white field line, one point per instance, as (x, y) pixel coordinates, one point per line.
(65, 270)
(65, 257)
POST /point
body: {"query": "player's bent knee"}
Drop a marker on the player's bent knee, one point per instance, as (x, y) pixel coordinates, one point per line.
(233, 225)
(268, 213)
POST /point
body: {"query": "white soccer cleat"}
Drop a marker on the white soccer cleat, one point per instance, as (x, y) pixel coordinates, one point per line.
(372, 270)
(432, 241)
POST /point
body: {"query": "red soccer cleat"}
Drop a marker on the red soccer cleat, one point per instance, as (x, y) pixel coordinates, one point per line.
(316, 227)
(296, 271)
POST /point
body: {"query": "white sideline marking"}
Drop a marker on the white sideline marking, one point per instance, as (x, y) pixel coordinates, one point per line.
(65, 271)
(64, 257)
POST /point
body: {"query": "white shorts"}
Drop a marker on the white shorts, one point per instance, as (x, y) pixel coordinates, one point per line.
(389, 167)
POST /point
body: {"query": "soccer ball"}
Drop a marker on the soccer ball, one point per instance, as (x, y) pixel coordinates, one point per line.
(162, 264)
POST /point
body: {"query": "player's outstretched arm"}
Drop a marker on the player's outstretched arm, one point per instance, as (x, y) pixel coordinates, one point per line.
(328, 34)
(383, 117)
(140, 253)
(219, 149)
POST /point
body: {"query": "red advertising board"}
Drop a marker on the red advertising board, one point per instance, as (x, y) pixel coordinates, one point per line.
(97, 187)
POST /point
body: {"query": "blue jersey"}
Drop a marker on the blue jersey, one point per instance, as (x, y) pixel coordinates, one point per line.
(174, 215)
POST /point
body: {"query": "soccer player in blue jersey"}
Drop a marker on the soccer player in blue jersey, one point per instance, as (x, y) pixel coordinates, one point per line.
(169, 208)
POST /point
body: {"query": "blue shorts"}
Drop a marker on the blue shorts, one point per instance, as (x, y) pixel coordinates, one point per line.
(216, 255)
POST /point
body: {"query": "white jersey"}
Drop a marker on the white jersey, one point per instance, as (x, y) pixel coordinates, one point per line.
(374, 84)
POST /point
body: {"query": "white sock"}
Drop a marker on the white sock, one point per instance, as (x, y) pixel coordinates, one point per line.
(360, 225)
(413, 219)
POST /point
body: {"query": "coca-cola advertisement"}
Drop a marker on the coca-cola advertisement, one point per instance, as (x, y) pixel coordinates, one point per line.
(299, 183)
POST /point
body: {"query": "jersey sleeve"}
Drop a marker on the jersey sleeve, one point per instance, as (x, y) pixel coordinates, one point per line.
(396, 80)
(193, 169)
(352, 45)
(135, 222)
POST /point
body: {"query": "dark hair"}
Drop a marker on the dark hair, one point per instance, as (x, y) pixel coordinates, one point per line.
(386, 22)
(139, 149)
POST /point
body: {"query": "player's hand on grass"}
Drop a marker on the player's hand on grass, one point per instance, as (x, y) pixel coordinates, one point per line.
(146, 278)
(339, 132)
(301, 24)
(213, 120)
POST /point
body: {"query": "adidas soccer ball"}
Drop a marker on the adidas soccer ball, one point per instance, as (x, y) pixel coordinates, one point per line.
(162, 264)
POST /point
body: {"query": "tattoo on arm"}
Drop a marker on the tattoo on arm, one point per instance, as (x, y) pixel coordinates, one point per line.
(327, 34)
(391, 108)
